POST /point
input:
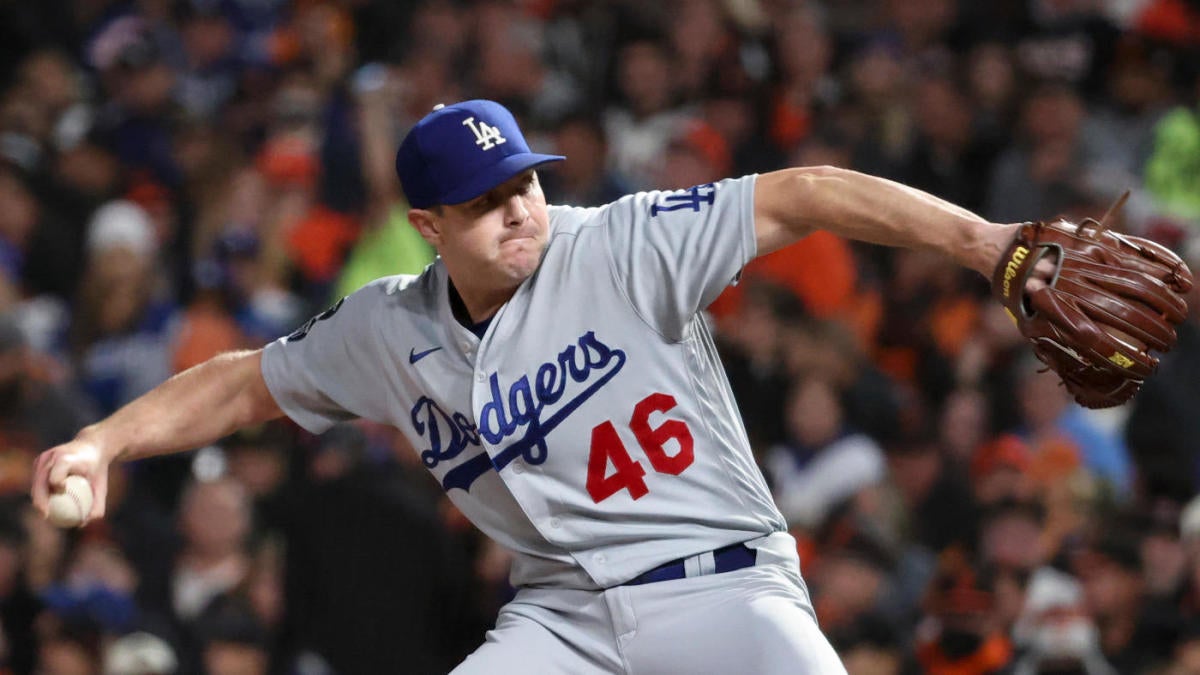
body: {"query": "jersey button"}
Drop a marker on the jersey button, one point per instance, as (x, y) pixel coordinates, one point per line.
(600, 558)
(518, 469)
(555, 523)
(479, 377)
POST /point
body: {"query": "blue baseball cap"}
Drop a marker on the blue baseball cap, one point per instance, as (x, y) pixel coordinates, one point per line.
(460, 151)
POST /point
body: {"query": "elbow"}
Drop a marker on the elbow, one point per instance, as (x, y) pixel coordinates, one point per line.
(810, 184)
(260, 404)
(792, 203)
(255, 401)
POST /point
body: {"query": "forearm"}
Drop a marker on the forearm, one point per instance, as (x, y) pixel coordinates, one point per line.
(880, 211)
(196, 407)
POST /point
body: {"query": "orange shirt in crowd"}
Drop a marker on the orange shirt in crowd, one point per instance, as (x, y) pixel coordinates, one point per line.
(205, 332)
(790, 123)
(992, 656)
(819, 269)
(319, 242)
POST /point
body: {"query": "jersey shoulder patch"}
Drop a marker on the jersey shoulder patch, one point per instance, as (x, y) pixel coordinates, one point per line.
(411, 290)
(303, 331)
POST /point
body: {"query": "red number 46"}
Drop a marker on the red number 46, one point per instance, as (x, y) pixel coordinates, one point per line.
(628, 472)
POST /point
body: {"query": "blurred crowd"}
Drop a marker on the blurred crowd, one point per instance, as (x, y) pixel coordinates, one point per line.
(184, 177)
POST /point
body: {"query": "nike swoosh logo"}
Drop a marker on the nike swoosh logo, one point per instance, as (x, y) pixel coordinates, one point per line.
(414, 355)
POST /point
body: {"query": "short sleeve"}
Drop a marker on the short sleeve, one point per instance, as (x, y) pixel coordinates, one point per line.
(674, 252)
(327, 371)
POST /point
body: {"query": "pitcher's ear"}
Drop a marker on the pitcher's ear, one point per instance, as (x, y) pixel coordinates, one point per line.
(427, 223)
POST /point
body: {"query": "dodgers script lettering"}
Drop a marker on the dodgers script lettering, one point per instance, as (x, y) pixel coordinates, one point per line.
(524, 412)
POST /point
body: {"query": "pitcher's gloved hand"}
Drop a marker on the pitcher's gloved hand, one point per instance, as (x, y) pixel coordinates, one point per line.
(1111, 301)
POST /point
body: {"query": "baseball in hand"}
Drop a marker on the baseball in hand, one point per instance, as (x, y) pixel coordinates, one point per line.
(71, 507)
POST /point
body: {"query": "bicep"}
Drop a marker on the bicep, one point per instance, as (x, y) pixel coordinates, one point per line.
(776, 221)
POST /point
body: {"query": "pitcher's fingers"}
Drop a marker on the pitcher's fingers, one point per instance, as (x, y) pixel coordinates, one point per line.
(99, 496)
(59, 472)
(1046, 265)
(40, 490)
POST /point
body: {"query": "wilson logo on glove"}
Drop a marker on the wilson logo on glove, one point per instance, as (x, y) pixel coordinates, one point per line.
(1010, 270)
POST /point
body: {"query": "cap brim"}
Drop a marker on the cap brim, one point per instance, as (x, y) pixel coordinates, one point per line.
(496, 174)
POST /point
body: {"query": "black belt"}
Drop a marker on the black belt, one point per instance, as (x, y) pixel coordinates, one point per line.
(726, 559)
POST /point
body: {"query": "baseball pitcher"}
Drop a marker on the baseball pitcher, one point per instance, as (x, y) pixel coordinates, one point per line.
(553, 373)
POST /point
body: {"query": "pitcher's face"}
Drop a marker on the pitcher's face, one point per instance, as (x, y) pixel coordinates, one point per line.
(497, 238)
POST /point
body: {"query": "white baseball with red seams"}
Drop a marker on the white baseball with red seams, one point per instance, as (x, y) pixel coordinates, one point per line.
(70, 507)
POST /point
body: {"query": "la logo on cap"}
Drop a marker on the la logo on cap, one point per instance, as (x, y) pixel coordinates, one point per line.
(441, 162)
(486, 135)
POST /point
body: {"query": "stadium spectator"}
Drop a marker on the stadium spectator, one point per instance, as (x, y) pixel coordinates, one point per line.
(822, 461)
(584, 178)
(1064, 436)
(1055, 630)
(962, 632)
(643, 124)
(1115, 595)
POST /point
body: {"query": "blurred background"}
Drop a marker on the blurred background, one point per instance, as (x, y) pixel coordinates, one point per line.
(183, 177)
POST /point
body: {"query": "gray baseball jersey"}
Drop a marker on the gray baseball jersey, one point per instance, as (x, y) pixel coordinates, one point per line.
(591, 430)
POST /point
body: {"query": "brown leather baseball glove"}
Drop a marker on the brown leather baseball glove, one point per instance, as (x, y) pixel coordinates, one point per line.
(1112, 300)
